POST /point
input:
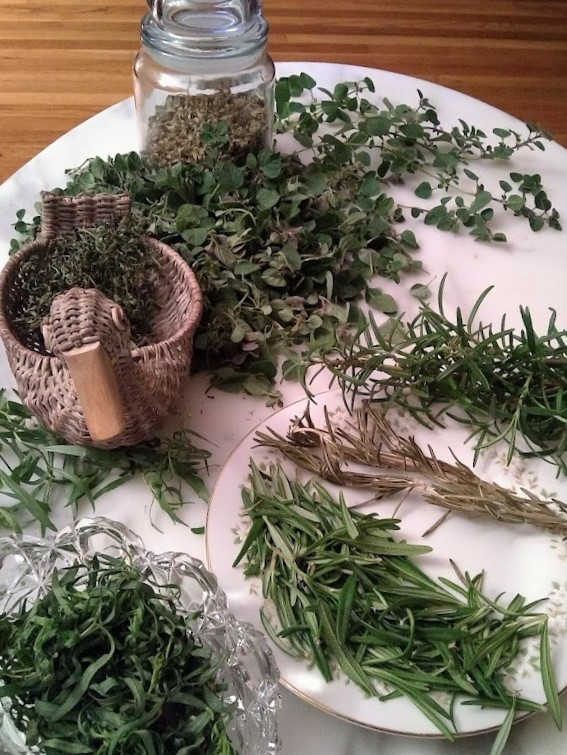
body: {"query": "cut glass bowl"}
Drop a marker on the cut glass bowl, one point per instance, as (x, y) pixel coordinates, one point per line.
(248, 674)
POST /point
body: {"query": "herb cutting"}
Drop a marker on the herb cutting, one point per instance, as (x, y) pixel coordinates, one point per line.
(388, 464)
(508, 385)
(340, 590)
(39, 471)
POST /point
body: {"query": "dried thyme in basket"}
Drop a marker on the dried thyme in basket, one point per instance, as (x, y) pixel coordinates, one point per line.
(110, 257)
(181, 129)
(340, 590)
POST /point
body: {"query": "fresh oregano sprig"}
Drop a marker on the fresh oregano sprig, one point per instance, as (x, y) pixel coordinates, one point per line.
(104, 662)
(340, 589)
(39, 470)
(401, 140)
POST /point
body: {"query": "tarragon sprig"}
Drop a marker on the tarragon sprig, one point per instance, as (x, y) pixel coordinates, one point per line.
(39, 470)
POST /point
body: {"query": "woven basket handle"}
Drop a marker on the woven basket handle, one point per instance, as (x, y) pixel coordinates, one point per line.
(61, 214)
(97, 391)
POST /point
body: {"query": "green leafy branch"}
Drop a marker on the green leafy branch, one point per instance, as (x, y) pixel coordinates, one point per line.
(506, 384)
(402, 141)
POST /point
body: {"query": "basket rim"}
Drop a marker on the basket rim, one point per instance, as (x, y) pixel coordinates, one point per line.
(188, 327)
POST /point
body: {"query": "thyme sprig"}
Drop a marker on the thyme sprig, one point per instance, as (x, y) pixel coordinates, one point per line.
(508, 384)
(104, 663)
(39, 470)
(388, 463)
(340, 589)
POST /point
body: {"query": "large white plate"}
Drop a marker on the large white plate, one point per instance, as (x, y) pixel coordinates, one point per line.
(529, 270)
(507, 554)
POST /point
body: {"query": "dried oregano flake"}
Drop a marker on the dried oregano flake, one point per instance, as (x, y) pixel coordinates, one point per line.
(181, 129)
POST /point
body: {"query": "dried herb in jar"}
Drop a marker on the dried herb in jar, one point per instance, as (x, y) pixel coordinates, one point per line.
(177, 131)
(110, 257)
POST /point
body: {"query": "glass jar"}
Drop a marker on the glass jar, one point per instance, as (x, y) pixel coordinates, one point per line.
(203, 77)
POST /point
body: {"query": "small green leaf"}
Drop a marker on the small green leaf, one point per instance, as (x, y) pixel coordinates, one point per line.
(481, 199)
(420, 291)
(267, 198)
(381, 301)
(424, 190)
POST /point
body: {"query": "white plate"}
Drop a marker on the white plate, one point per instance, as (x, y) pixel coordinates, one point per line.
(530, 269)
(505, 553)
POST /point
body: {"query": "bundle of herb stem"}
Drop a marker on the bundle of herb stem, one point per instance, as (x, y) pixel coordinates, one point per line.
(508, 385)
(104, 663)
(388, 463)
(339, 589)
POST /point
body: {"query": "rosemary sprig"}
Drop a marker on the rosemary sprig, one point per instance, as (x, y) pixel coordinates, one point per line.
(397, 464)
(507, 384)
(39, 470)
(339, 588)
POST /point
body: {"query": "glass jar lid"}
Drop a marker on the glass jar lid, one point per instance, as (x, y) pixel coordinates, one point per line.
(204, 30)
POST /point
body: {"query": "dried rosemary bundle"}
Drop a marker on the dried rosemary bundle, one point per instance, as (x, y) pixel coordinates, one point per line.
(397, 464)
(177, 131)
(110, 257)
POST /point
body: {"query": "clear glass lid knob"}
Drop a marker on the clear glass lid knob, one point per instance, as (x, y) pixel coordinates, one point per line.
(202, 22)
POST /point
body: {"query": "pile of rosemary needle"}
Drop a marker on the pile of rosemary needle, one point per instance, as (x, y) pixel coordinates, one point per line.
(339, 589)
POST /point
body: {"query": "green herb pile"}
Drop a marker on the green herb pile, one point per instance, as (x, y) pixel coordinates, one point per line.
(104, 663)
(340, 590)
(507, 384)
(38, 469)
(284, 251)
(110, 257)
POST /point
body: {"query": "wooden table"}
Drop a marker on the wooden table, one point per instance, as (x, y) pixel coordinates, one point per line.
(63, 61)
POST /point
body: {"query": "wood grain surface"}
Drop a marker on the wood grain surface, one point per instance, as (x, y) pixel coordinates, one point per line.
(65, 60)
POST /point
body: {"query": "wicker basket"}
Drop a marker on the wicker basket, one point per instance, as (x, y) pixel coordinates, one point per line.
(89, 385)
